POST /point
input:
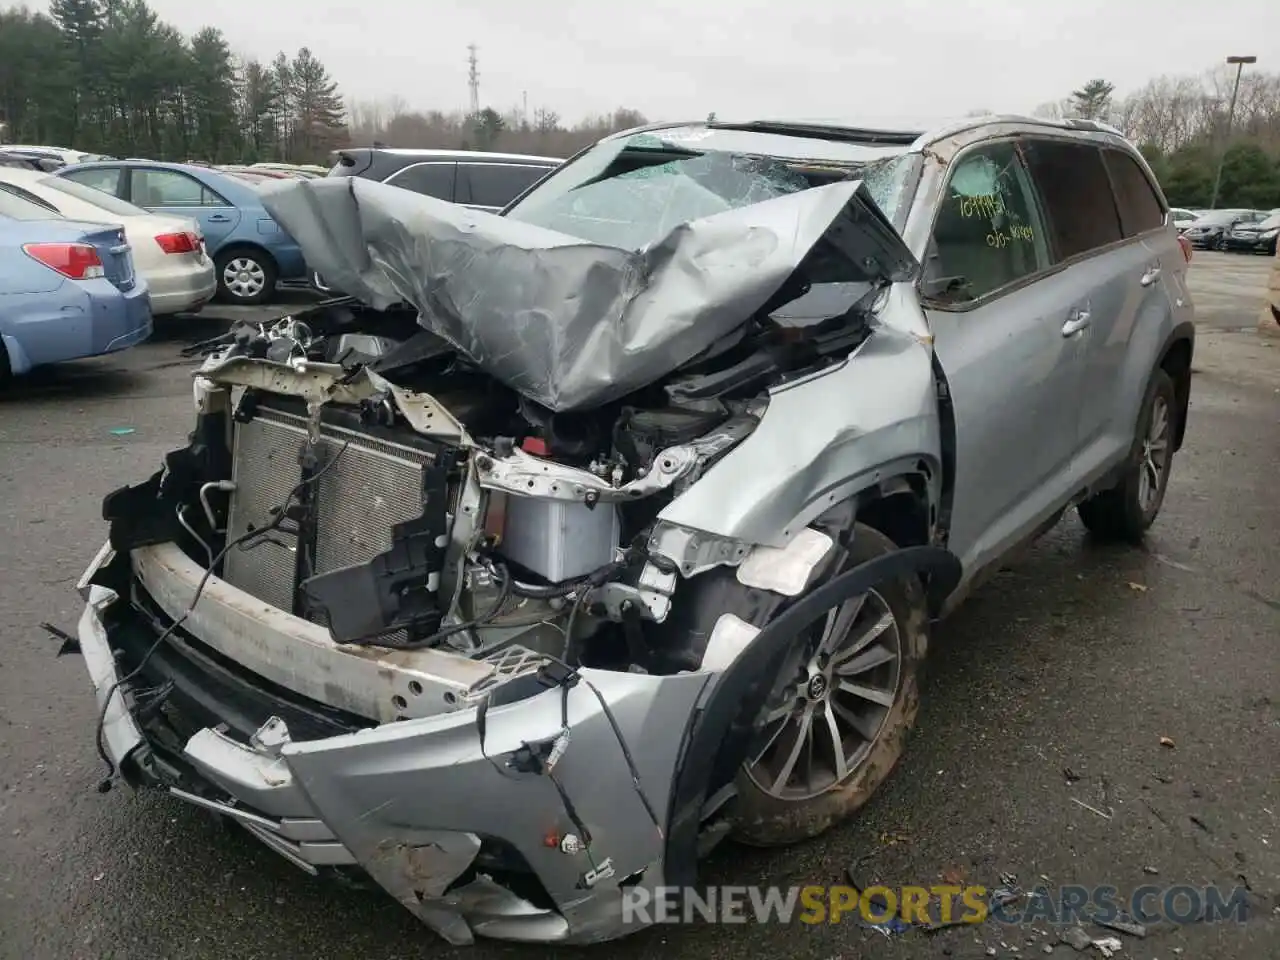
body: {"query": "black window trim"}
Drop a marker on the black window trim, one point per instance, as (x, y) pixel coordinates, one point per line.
(1056, 264)
(16, 191)
(1165, 209)
(522, 164)
(390, 178)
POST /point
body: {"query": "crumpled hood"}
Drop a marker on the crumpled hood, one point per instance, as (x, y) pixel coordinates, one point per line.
(568, 323)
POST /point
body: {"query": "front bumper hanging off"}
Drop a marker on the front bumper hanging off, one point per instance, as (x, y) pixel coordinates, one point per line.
(426, 807)
(432, 808)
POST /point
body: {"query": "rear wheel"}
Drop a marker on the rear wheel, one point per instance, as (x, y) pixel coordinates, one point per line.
(245, 276)
(6, 371)
(1130, 507)
(838, 717)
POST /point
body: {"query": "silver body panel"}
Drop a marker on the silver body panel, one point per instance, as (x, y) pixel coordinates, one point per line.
(1038, 418)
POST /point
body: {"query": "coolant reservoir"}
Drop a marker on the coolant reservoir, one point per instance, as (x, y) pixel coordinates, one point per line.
(559, 540)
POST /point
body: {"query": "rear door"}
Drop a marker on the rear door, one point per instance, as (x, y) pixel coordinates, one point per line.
(491, 186)
(177, 194)
(431, 178)
(1102, 266)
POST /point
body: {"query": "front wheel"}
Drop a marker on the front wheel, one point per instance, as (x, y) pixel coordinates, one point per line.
(245, 276)
(1130, 507)
(838, 717)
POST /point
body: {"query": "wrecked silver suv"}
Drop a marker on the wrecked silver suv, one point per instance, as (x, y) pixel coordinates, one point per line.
(627, 537)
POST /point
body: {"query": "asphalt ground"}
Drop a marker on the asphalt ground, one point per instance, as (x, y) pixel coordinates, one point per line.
(1054, 684)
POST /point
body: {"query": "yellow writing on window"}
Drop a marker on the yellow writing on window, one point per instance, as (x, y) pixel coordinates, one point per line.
(986, 205)
(1000, 239)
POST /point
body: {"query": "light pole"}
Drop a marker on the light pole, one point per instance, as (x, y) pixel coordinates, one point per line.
(1231, 112)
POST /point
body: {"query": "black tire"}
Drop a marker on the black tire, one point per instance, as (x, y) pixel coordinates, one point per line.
(764, 819)
(6, 371)
(260, 277)
(1127, 510)
(1220, 244)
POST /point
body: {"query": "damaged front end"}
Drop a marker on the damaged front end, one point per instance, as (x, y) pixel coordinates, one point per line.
(405, 610)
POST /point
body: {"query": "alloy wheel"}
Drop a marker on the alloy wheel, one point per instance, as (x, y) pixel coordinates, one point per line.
(842, 685)
(1154, 462)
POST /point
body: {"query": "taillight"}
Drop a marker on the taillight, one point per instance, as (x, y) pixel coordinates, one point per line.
(78, 261)
(178, 242)
(1185, 244)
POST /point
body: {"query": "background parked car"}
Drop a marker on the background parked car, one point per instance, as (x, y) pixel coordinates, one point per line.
(69, 289)
(487, 181)
(1259, 237)
(1183, 218)
(167, 251)
(63, 155)
(305, 170)
(28, 161)
(1210, 231)
(261, 172)
(250, 252)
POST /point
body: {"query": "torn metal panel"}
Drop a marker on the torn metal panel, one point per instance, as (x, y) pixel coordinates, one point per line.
(320, 383)
(572, 324)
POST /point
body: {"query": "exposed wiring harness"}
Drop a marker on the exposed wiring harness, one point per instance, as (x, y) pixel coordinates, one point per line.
(279, 516)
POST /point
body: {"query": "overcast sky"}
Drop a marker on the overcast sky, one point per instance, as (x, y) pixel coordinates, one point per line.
(676, 59)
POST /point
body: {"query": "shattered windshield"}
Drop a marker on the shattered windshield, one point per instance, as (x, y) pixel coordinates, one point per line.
(633, 191)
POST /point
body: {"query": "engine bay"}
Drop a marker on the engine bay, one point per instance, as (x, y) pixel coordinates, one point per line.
(393, 539)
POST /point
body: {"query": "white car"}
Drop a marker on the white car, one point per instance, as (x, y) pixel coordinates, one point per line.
(1183, 218)
(168, 252)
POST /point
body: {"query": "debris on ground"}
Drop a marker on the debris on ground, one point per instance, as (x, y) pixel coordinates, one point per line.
(1150, 871)
(121, 431)
(1070, 774)
(1167, 742)
(1076, 937)
(1108, 946)
(1081, 803)
(1137, 587)
(1123, 923)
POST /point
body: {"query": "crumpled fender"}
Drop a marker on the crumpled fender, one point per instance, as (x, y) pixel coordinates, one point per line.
(723, 722)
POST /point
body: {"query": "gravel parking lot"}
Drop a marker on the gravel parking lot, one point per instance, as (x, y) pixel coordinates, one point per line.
(1054, 684)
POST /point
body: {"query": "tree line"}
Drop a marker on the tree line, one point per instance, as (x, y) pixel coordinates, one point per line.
(1180, 124)
(109, 76)
(515, 130)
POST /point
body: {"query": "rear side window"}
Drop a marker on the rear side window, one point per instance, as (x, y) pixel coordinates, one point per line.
(29, 197)
(1140, 207)
(496, 184)
(168, 188)
(106, 179)
(1076, 189)
(18, 207)
(428, 179)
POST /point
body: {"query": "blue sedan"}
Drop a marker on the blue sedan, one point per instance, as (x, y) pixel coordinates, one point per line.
(250, 251)
(67, 289)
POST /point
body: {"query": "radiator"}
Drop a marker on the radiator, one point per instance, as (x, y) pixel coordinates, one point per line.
(374, 485)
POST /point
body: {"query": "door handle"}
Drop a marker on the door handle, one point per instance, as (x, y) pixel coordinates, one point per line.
(1079, 320)
(1151, 276)
(219, 218)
